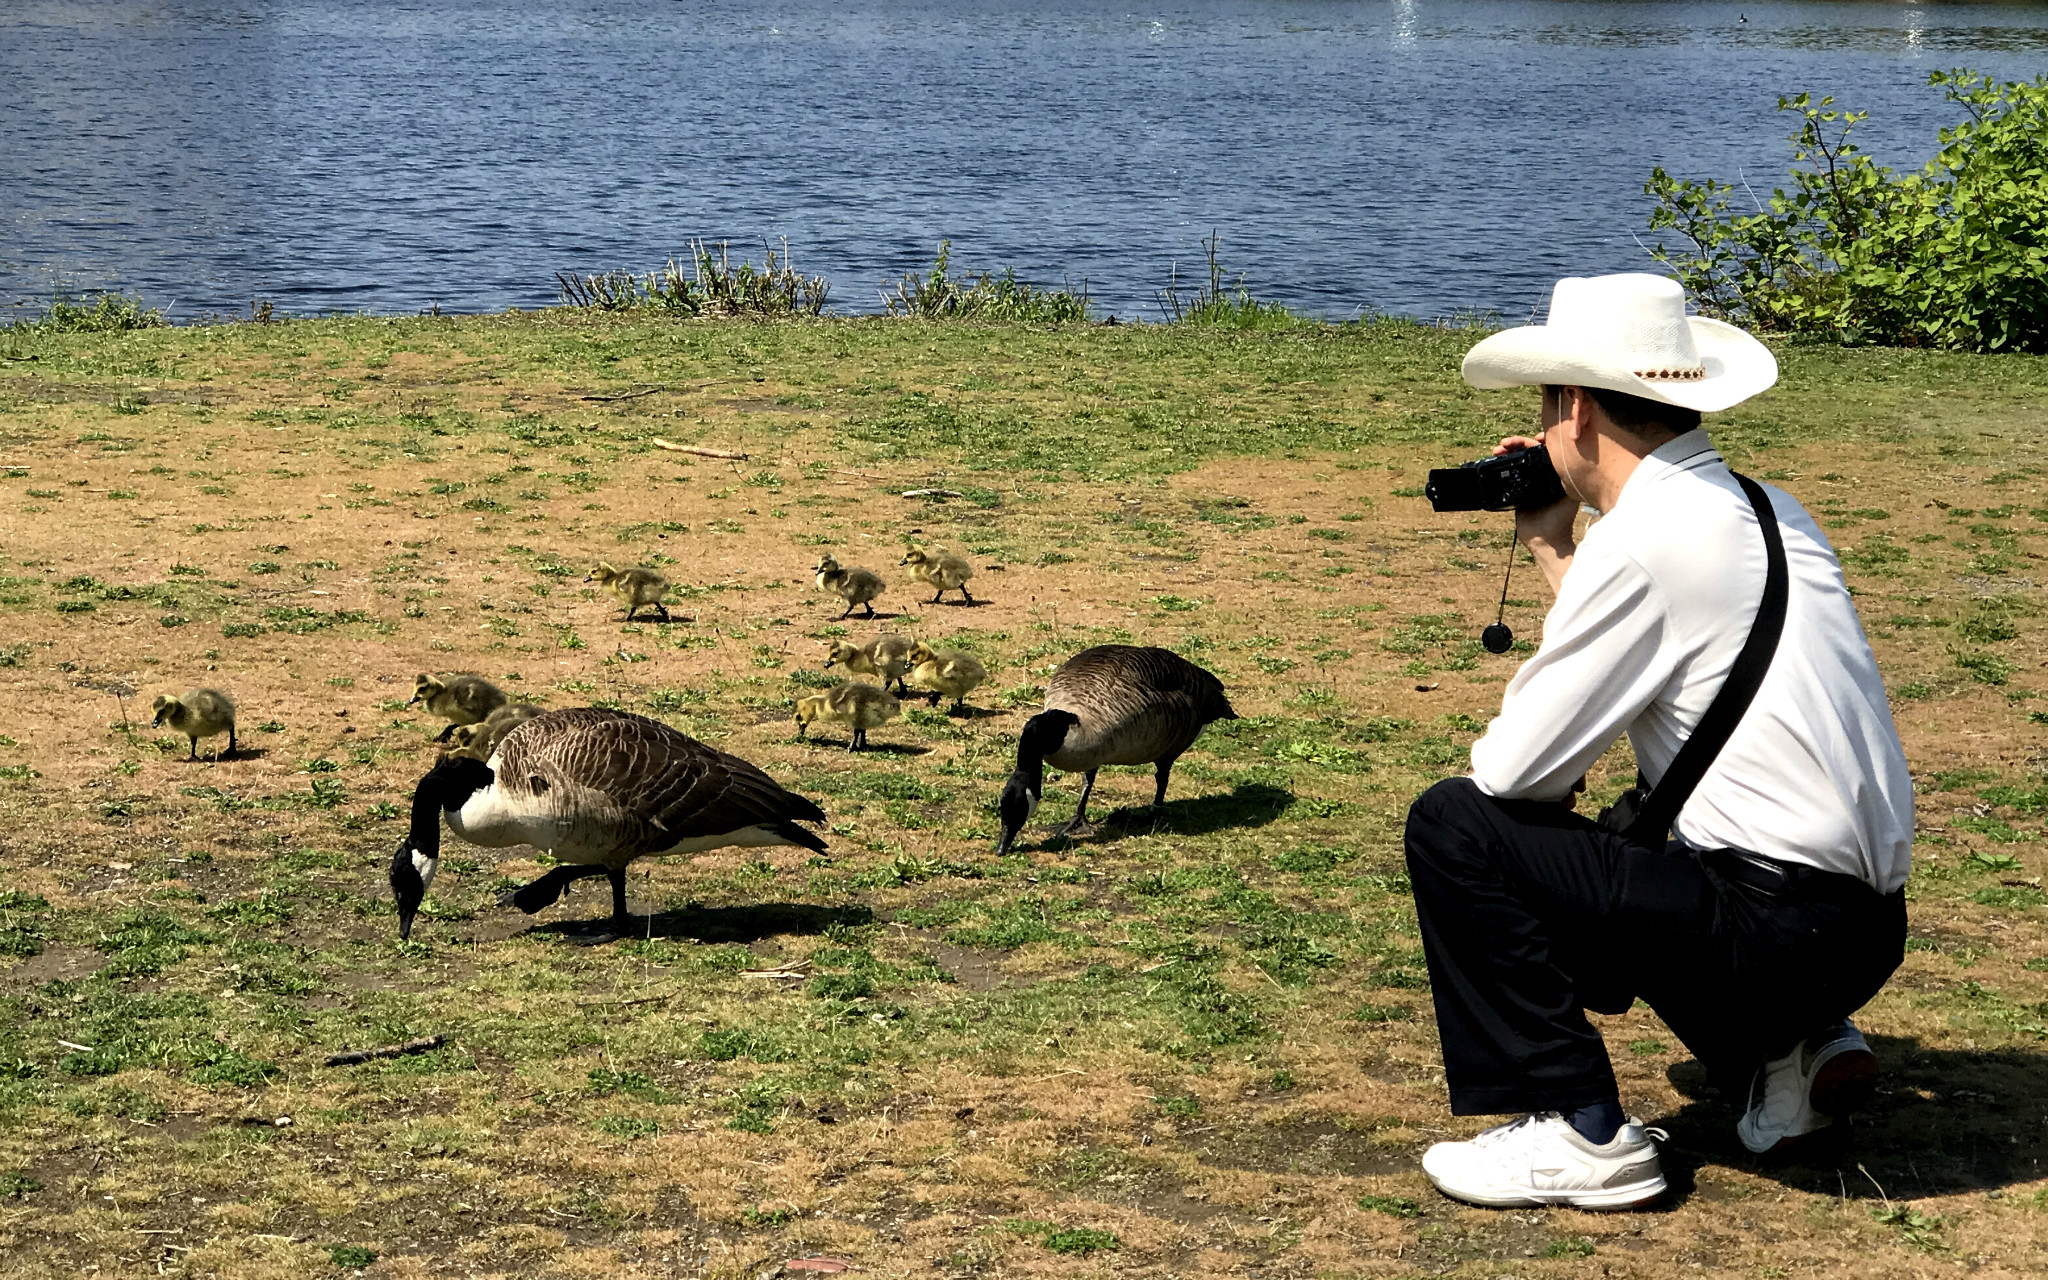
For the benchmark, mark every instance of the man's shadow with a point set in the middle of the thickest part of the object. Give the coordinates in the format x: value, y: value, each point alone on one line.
x: 1944, y: 1121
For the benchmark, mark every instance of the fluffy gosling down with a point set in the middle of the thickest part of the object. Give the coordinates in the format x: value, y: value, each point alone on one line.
x: 860, y: 707
x: 941, y: 570
x: 886, y: 658
x: 478, y: 741
x: 458, y: 699
x: 855, y: 586
x: 635, y: 588
x: 944, y: 672
x: 201, y: 713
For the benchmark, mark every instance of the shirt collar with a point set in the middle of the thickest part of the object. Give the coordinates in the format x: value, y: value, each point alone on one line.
x: 1688, y: 452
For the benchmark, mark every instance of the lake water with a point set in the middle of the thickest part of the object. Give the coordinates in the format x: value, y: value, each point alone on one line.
x: 1405, y: 155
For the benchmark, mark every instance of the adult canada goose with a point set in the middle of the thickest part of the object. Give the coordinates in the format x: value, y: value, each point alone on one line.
x: 947, y: 672
x: 201, y: 713
x: 855, y: 586
x: 886, y: 658
x: 458, y: 699
x: 1113, y: 704
x: 941, y: 570
x: 860, y: 707
x: 596, y: 789
x: 635, y: 588
x: 477, y: 741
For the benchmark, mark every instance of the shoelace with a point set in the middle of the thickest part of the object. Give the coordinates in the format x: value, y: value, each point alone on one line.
x: 1500, y: 1132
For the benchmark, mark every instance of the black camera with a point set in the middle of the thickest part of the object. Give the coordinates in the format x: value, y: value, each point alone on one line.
x: 1520, y: 481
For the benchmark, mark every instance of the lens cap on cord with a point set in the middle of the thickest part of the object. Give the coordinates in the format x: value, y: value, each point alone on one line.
x: 1497, y: 638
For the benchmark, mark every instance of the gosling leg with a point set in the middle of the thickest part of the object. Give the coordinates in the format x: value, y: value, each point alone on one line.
x: 231, y: 739
x: 445, y: 734
x: 858, y: 741
x: 935, y: 599
x: 849, y: 611
x: 1080, y: 819
x: 963, y: 594
x: 664, y: 610
x: 195, y: 749
x: 869, y: 605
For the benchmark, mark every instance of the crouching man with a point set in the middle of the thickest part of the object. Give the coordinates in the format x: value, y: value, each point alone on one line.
x: 1778, y: 909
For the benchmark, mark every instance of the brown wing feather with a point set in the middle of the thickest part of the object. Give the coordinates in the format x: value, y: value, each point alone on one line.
x: 652, y: 774
x: 1134, y: 704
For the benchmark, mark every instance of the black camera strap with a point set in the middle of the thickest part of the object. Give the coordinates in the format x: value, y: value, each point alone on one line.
x: 1654, y: 813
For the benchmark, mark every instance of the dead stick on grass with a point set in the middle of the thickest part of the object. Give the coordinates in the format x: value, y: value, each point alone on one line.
x: 632, y: 395
x: 421, y: 1045
x: 673, y: 447
x: 933, y: 493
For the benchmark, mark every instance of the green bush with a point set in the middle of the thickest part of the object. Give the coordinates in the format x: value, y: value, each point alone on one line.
x: 92, y: 313
x: 714, y: 287
x: 938, y: 295
x: 1954, y: 255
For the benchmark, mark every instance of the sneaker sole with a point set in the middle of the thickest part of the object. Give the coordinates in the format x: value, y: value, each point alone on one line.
x: 1844, y: 1083
x: 1618, y: 1198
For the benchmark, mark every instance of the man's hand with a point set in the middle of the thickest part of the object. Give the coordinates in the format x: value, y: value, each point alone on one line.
x: 1547, y: 531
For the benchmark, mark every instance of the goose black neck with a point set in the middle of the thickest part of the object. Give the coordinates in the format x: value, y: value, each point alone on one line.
x: 1043, y: 734
x: 446, y: 786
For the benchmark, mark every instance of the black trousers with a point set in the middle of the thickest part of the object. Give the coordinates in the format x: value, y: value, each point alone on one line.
x: 1531, y: 914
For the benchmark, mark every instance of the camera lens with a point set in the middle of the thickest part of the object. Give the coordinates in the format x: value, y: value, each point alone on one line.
x: 1497, y: 638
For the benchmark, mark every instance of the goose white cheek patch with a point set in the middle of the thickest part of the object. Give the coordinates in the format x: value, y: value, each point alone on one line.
x: 426, y: 867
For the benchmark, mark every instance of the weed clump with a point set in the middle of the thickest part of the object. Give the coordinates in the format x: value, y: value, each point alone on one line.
x: 713, y: 287
x: 1214, y: 303
x: 91, y: 313
x: 938, y: 295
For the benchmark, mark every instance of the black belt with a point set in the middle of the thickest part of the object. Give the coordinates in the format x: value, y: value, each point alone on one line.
x: 1773, y: 875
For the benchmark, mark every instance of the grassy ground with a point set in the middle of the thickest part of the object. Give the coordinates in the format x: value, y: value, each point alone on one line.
x: 1195, y: 1046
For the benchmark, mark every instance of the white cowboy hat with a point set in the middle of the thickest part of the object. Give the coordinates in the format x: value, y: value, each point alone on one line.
x: 1627, y: 333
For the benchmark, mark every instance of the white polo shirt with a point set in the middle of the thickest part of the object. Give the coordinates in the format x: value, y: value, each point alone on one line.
x: 1656, y: 604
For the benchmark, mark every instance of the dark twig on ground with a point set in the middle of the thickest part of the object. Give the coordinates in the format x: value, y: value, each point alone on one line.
x: 354, y: 1056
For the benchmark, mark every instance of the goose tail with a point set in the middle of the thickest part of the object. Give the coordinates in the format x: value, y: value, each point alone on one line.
x: 797, y: 835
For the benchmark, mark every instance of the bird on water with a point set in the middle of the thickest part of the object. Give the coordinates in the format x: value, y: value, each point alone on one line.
x: 1112, y: 704
x: 596, y: 789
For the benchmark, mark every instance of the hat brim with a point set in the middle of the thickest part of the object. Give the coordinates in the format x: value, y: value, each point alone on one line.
x: 1737, y: 365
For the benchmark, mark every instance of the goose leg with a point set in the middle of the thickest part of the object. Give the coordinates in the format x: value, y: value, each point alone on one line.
x: 869, y: 605
x: 1080, y: 819
x: 621, y: 918
x: 195, y: 749
x: 545, y: 891
x: 445, y: 734
x: 1163, y: 769
x: 859, y: 740
x: 941, y: 592
x: 663, y: 608
x: 231, y: 739
x: 849, y: 611
x: 963, y: 594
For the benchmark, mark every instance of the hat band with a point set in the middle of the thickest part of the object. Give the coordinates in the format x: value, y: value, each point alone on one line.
x: 1671, y: 375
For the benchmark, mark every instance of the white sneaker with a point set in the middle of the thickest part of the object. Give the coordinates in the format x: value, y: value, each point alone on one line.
x: 1824, y: 1077
x: 1540, y: 1159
